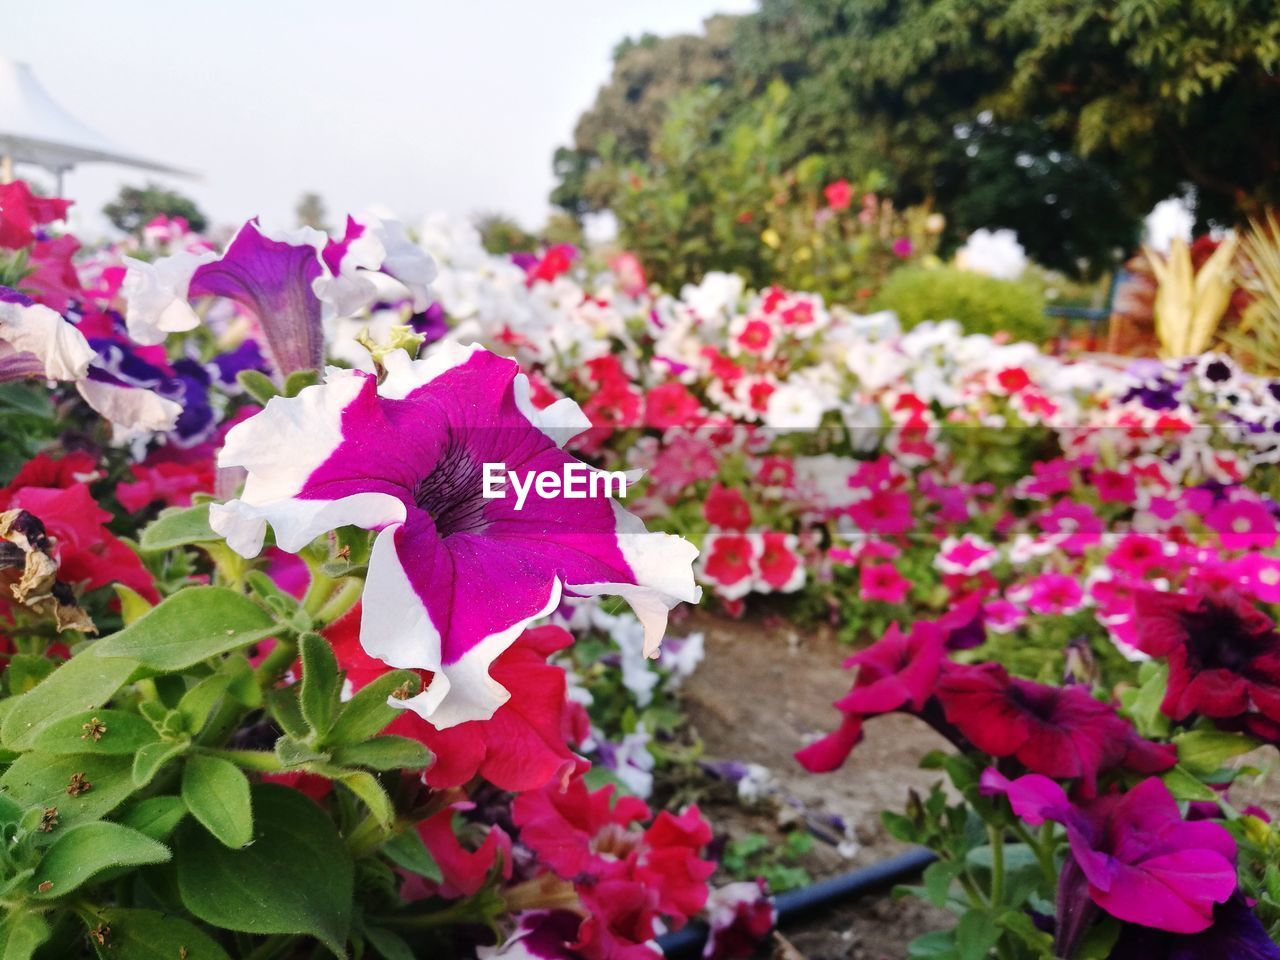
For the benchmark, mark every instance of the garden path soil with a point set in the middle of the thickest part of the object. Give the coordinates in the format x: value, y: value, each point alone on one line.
x: 764, y: 690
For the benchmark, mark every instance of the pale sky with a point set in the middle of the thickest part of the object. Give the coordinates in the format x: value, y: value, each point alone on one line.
x: 421, y: 106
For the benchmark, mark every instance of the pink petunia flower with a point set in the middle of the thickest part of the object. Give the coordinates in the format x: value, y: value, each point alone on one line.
x: 882, y: 582
x: 1131, y: 854
x: 456, y: 572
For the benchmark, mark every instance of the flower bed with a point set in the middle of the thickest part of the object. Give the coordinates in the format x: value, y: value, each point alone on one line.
x: 341, y: 695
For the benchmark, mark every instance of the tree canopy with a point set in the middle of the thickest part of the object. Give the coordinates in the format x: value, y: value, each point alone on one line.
x: 1064, y: 119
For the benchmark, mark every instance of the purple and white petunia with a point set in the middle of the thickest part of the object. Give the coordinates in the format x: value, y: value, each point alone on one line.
x: 454, y: 576
x: 293, y: 283
x: 37, y: 342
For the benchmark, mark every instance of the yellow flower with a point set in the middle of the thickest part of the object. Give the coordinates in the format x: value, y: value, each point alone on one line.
x: 770, y: 238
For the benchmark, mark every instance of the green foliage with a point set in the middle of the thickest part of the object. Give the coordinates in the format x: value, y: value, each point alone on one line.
x: 502, y: 234
x: 981, y: 304
x: 134, y: 207
x: 293, y: 878
x: 1104, y: 109
x: 755, y: 855
x: 715, y: 196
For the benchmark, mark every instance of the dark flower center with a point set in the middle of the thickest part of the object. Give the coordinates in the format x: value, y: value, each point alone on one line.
x: 1217, y: 639
x: 453, y: 492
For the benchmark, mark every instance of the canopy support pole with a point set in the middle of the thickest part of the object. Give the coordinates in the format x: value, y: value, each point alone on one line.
x: 6, y: 167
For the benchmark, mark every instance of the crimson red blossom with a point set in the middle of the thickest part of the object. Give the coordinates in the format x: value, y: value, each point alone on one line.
x: 1223, y: 655
x: 1057, y: 731
x: 727, y: 508
x: 21, y: 212
x: 625, y: 875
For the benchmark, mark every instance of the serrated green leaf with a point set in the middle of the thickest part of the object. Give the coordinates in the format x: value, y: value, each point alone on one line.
x: 189, y: 627
x: 151, y: 935
x: 295, y: 877
x: 155, y: 817
x: 81, y: 853
x: 217, y: 794
x: 367, y: 714
x: 104, y: 732
x: 385, y: 753
x: 321, y: 683
x: 84, y: 682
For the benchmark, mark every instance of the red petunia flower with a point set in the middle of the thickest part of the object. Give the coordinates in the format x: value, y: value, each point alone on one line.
x: 671, y: 405
x: 521, y: 747
x: 726, y: 508
x: 1223, y: 654
x: 21, y: 212
x: 1056, y: 731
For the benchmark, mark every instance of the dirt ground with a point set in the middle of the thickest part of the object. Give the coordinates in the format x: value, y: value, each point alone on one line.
x: 762, y: 692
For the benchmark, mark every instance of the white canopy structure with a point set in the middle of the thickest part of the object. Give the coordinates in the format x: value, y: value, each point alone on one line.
x: 34, y: 129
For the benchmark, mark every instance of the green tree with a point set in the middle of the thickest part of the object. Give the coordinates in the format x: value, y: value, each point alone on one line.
x: 502, y: 234
x: 310, y: 211
x: 1106, y: 108
x: 134, y: 207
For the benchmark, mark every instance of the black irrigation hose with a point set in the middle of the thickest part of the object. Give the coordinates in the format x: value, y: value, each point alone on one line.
x: 688, y: 941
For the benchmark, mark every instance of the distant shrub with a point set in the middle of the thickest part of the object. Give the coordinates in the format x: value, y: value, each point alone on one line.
x: 980, y: 303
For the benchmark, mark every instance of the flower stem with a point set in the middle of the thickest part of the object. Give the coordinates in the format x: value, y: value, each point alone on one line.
x: 997, y: 865
x: 342, y: 601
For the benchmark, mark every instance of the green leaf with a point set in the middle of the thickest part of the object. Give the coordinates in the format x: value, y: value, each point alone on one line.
x: 1205, y: 751
x: 41, y: 781
x: 935, y: 945
x: 369, y: 790
x: 293, y: 752
x: 1143, y: 704
x: 84, y: 682
x: 83, y: 852
x: 132, y: 604
x: 385, y: 753
x: 234, y: 676
x: 25, y: 670
x: 407, y: 851
x: 286, y: 711
x: 21, y: 934
x: 938, y: 878
x: 156, y: 817
x: 189, y: 627
x: 1184, y: 785
x: 149, y: 760
x: 103, y: 732
x: 151, y: 935
x: 176, y: 527
x: 388, y: 945
x: 367, y: 714
x: 296, y: 876
x: 321, y: 683
x: 300, y: 380
x: 217, y: 794
x: 258, y: 385
x: 976, y: 934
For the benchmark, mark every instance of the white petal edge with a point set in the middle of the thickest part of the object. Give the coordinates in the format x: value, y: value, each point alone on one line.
x: 61, y: 349
x: 284, y: 444
x: 663, y: 567
x: 133, y: 408
x: 297, y: 522
x: 396, y: 629
x: 405, y: 375
x: 561, y: 421
x: 156, y: 296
